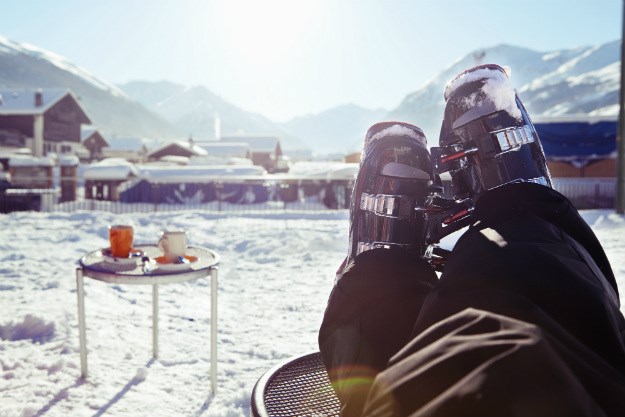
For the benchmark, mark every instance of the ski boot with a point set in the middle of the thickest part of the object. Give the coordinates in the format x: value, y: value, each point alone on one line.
x: 487, y: 139
x: 396, y: 177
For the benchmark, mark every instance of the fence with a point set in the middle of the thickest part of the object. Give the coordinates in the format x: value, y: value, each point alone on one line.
x: 242, y: 195
x: 588, y: 193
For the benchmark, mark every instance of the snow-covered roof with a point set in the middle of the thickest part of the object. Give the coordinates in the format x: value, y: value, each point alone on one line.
x: 163, y: 171
x: 324, y: 170
x: 572, y: 118
x: 22, y: 101
x: 111, y: 169
x: 68, y: 160
x: 86, y: 131
x: 225, y: 149
x: 30, y: 161
x: 184, y: 144
x: 126, y: 144
x: 257, y: 143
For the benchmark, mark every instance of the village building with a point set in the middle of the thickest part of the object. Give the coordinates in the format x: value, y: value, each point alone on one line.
x: 103, y: 179
x: 220, y: 153
x: 579, y: 145
x: 353, y: 158
x: 264, y: 151
x: 133, y: 149
x: 93, y: 142
x: 178, y: 148
x: 46, y: 121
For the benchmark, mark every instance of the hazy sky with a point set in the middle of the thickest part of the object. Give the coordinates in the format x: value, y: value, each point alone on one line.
x: 284, y: 58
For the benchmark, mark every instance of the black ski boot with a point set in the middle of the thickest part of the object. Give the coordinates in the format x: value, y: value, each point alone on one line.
x: 487, y: 138
x: 389, y: 198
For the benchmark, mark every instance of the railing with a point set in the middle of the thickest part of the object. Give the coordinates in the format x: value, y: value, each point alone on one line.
x: 588, y: 193
x: 232, y: 194
x: 243, y: 195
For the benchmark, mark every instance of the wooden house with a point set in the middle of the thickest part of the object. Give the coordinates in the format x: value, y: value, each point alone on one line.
x: 94, y: 142
x: 177, y: 148
x: 353, y: 158
x: 133, y: 149
x: 44, y: 120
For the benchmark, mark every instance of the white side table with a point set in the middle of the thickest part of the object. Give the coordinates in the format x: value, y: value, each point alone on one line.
x: 95, y: 265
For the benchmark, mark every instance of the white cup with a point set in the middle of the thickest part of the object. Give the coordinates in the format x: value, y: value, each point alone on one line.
x: 173, y: 244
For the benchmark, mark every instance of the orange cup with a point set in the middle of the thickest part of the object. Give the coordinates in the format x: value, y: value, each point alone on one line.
x: 120, y: 237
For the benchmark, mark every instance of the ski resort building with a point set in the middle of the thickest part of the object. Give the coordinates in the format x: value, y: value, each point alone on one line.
x: 579, y: 145
x: 45, y: 121
x: 263, y: 150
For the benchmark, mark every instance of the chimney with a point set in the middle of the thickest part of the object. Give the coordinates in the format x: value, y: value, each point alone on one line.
x: 38, y: 98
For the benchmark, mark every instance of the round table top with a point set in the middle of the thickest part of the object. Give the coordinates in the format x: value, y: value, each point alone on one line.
x: 98, y: 266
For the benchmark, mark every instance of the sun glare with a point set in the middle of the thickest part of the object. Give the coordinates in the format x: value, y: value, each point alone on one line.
x: 262, y: 31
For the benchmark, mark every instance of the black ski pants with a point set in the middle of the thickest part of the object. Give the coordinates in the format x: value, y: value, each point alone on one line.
x: 523, y: 321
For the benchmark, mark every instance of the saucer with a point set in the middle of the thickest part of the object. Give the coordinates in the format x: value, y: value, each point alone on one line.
x: 134, y: 256
x: 165, y: 264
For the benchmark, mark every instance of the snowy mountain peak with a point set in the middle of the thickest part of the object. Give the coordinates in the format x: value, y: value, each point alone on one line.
x: 10, y: 47
x: 569, y: 81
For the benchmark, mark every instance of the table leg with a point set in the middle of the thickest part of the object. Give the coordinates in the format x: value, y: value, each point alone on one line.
x: 82, y: 329
x: 155, y: 321
x: 213, y: 330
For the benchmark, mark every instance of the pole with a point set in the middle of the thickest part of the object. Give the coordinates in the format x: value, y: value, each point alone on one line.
x: 213, y: 330
x: 620, y: 166
x: 82, y: 328
x: 155, y: 321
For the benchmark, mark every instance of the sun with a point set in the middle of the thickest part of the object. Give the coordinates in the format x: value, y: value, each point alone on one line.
x: 265, y: 31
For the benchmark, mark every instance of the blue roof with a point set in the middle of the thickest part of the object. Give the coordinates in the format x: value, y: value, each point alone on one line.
x: 578, y: 141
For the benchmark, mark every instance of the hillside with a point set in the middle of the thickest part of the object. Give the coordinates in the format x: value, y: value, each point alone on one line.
x: 195, y: 111
x: 340, y: 129
x: 112, y: 111
x: 580, y: 80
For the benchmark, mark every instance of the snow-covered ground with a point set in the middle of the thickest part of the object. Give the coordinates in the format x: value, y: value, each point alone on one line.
x: 275, y: 276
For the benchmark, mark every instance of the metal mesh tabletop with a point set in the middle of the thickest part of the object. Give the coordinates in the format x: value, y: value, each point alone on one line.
x: 298, y: 387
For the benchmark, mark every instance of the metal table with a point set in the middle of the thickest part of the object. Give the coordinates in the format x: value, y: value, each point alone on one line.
x: 97, y: 266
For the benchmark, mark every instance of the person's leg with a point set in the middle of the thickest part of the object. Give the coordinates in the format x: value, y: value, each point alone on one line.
x: 525, y: 319
x: 381, y: 286
x: 522, y: 321
x: 369, y: 316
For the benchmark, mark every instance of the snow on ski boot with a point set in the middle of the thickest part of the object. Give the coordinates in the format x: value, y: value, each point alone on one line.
x: 395, y: 178
x: 487, y: 139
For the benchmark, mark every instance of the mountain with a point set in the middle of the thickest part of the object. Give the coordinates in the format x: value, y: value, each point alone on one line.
x: 580, y: 80
x: 337, y: 130
x: 111, y: 110
x: 340, y: 129
x: 195, y: 111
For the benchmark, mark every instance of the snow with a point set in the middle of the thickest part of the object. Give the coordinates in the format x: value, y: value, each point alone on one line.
x: 169, y: 171
x: 11, y: 47
x: 323, y: 170
x: 30, y: 161
x: 110, y: 168
x: 398, y: 130
x: 497, y: 88
x: 68, y: 160
x: 275, y: 276
x: 467, y: 77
